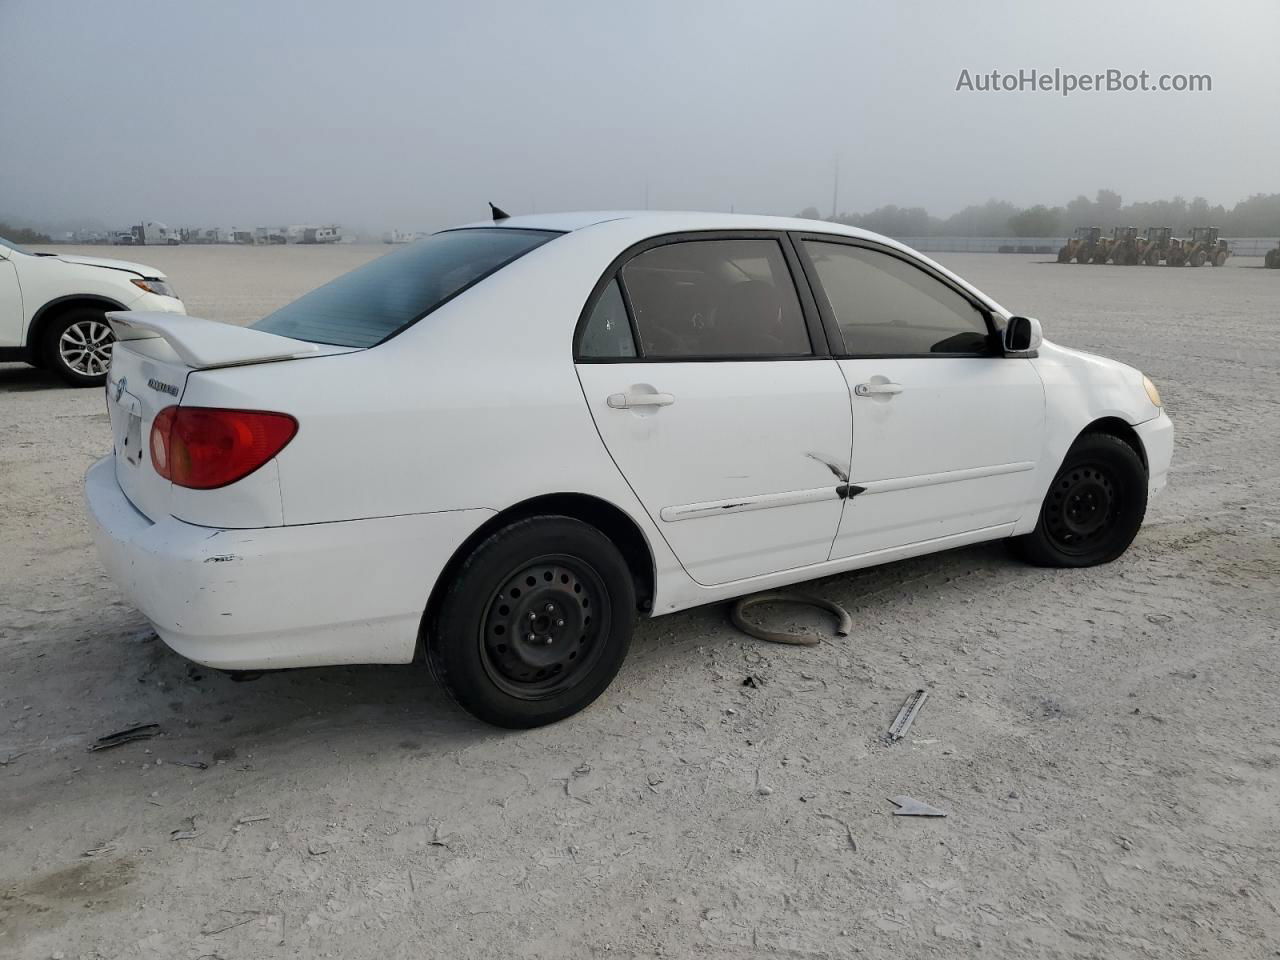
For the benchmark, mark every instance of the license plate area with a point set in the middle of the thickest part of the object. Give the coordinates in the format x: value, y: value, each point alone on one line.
x: 126, y: 416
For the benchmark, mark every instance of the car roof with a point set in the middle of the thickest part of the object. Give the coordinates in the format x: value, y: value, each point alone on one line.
x: 625, y: 227
x: 672, y: 221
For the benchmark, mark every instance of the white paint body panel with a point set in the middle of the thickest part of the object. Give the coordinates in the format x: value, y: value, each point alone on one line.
x: 406, y: 448
x: 737, y: 431
x: 289, y: 597
x: 12, y: 322
x: 953, y: 452
x: 42, y: 280
x: 203, y: 344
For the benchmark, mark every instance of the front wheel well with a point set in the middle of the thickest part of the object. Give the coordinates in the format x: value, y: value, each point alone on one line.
x: 604, y: 516
x: 56, y: 308
x: 1121, y: 430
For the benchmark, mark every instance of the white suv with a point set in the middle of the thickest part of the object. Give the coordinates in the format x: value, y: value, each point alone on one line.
x: 52, y: 306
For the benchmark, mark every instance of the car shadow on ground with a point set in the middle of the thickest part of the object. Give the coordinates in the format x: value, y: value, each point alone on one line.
x: 20, y: 378
x: 369, y: 707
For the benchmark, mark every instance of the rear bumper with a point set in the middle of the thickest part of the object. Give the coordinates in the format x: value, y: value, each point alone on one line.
x: 1157, y: 440
x: 348, y: 592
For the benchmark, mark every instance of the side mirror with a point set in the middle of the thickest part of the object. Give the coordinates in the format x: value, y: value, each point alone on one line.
x: 1022, y: 336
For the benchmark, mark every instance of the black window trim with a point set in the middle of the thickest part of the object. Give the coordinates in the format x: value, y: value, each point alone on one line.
x: 813, y: 323
x: 833, y: 331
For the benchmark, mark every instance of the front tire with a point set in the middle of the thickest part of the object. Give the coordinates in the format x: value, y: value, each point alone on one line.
x: 77, y: 347
x: 535, y: 624
x: 1094, y: 507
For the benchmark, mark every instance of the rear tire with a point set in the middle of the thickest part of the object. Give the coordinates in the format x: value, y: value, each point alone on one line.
x: 535, y: 624
x: 1093, y: 509
x: 77, y: 346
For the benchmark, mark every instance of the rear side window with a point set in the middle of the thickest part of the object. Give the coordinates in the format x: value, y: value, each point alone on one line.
x: 715, y: 299
x: 887, y: 307
x: 373, y: 302
x: 607, y: 335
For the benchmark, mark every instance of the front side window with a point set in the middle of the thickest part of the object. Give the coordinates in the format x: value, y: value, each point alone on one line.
x: 373, y: 302
x: 887, y: 307
x: 715, y: 299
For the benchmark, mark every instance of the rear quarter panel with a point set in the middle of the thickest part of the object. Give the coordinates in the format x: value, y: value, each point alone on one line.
x: 478, y: 406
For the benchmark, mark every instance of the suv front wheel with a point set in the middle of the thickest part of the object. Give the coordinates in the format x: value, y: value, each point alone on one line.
x: 77, y: 346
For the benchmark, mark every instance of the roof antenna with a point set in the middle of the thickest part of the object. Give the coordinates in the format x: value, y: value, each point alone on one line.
x: 498, y: 212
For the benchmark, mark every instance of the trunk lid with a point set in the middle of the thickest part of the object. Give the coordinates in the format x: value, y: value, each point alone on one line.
x: 150, y: 363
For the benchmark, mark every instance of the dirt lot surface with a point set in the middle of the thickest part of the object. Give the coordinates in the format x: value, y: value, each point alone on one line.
x: 1106, y: 742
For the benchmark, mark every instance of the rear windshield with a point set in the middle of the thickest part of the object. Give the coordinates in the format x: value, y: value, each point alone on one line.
x: 373, y: 302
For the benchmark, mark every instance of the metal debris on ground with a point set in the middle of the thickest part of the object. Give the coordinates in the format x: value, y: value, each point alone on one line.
x: 254, y: 818
x: 907, y: 715
x: 143, y: 731
x: 194, y: 764
x: 911, y: 807
x: 737, y: 611
x: 98, y: 851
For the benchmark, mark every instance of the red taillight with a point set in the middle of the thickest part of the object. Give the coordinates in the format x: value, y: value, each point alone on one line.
x: 205, y: 447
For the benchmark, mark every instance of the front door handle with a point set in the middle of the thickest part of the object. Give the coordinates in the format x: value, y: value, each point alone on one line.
x: 877, y: 389
x: 625, y: 401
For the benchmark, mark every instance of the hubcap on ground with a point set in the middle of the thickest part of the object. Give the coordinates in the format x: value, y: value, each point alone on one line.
x: 85, y: 347
x: 1082, y: 508
x: 543, y: 628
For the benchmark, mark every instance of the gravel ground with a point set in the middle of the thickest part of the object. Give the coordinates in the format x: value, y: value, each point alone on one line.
x: 1106, y: 741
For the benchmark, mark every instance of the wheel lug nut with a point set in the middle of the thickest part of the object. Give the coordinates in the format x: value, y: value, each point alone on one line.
x: 559, y: 623
x: 549, y: 608
x: 532, y: 615
x: 531, y: 637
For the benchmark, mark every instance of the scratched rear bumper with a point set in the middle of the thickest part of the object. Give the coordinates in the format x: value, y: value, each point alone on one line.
x: 348, y: 592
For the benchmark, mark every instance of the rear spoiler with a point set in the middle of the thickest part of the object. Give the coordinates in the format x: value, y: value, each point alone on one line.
x: 203, y: 344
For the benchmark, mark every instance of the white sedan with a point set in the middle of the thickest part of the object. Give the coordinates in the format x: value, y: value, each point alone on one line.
x: 499, y: 446
x: 52, y: 308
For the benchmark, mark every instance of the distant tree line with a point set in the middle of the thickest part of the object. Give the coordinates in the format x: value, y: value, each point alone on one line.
x: 21, y: 234
x: 1258, y: 216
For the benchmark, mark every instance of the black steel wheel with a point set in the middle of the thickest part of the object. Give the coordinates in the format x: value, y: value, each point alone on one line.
x: 543, y: 627
x: 1094, y: 507
x: 535, y: 624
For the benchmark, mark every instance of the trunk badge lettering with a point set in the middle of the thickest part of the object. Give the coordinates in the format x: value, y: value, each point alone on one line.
x: 161, y: 386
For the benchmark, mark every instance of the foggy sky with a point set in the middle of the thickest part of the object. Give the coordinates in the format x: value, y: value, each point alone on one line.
x: 382, y: 113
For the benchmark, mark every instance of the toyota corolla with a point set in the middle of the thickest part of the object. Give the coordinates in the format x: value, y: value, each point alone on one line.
x: 496, y: 448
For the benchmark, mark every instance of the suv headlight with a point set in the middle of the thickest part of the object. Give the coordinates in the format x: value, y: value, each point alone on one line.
x: 1152, y: 392
x: 158, y: 287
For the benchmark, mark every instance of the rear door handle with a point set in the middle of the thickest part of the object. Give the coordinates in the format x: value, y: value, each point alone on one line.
x: 625, y: 401
x: 877, y: 389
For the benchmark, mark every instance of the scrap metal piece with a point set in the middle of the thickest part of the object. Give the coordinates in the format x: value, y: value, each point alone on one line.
x: 144, y: 731
x: 911, y: 807
x: 907, y: 715
x: 843, y: 628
